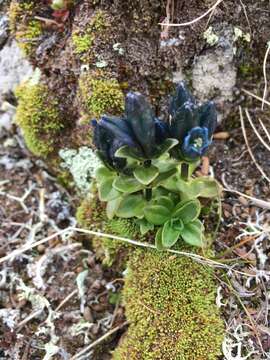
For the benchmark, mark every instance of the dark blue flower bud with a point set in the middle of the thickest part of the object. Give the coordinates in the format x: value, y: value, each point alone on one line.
x: 141, y: 121
x: 182, y: 95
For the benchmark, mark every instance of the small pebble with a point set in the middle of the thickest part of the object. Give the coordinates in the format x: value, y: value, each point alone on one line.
x: 41, y: 248
x: 243, y: 201
x: 87, y: 314
x: 222, y: 135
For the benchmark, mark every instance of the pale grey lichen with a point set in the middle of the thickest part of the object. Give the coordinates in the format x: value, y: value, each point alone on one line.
x: 82, y: 164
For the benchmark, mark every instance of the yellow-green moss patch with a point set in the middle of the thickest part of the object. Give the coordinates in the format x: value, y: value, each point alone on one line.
x: 26, y: 30
x: 83, y: 39
x: 170, y: 304
x: 101, y: 96
x: 39, y: 118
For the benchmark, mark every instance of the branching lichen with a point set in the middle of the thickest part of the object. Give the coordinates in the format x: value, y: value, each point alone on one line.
x: 82, y: 164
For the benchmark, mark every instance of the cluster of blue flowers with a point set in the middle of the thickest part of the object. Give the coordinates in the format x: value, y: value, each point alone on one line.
x: 189, y: 123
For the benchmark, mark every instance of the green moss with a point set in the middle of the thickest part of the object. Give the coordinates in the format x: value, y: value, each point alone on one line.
x: 100, y: 96
x: 39, y: 118
x: 91, y: 215
x: 81, y: 43
x: 83, y: 39
x: 170, y: 304
x: 26, y: 30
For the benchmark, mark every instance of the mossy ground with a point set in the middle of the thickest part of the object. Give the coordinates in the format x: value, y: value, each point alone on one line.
x: 101, y: 95
x: 39, y: 118
x: 170, y: 304
x: 91, y: 215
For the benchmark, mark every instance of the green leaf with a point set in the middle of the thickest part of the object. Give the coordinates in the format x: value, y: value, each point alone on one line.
x: 106, y: 191
x: 165, y: 176
x: 156, y: 214
x: 158, y: 239
x: 145, y: 175
x: 174, y: 183
x: 112, y: 207
x: 103, y: 173
x: 187, y: 211
x: 164, y: 201
x: 205, y: 187
x: 166, y: 146
x: 127, y: 152
x: 126, y: 184
x: 165, y: 164
x: 145, y: 226
x: 131, y: 206
x: 171, y: 232
x: 193, y: 233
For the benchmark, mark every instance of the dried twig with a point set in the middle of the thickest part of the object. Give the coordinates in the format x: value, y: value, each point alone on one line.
x: 248, y: 147
x: 98, y: 341
x: 212, y: 8
x: 264, y: 73
x: 256, y: 131
x: 256, y: 96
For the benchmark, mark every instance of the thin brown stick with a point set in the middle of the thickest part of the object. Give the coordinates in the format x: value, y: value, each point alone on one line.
x: 98, y: 341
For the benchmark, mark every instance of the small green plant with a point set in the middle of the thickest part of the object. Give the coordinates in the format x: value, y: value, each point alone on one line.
x: 148, y: 166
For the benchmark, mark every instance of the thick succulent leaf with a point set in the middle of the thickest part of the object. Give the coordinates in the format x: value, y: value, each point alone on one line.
x: 208, y: 117
x: 102, y: 173
x: 146, y: 175
x: 145, y: 226
x: 192, y: 233
x: 141, y: 120
x: 170, y: 233
x: 131, y: 206
x: 127, y: 152
x: 165, y: 163
x: 175, y: 183
x: 106, y: 191
x: 187, y: 211
x: 167, y: 145
x: 164, y: 177
x: 206, y: 187
x: 181, y: 96
x: 127, y: 184
x: 158, y: 240
x: 185, y: 119
x: 112, y: 207
x: 156, y: 214
x: 165, y: 201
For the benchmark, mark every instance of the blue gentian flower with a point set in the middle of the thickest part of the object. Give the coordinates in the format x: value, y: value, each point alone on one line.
x: 192, y: 125
x: 138, y: 129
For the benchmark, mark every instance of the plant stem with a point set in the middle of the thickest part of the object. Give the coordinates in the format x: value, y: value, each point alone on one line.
x: 184, y: 171
x: 148, y: 194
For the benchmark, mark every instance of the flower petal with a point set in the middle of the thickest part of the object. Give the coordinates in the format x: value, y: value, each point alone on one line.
x: 184, y: 119
x: 181, y: 96
x: 208, y: 117
x: 141, y: 121
x: 118, y: 128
